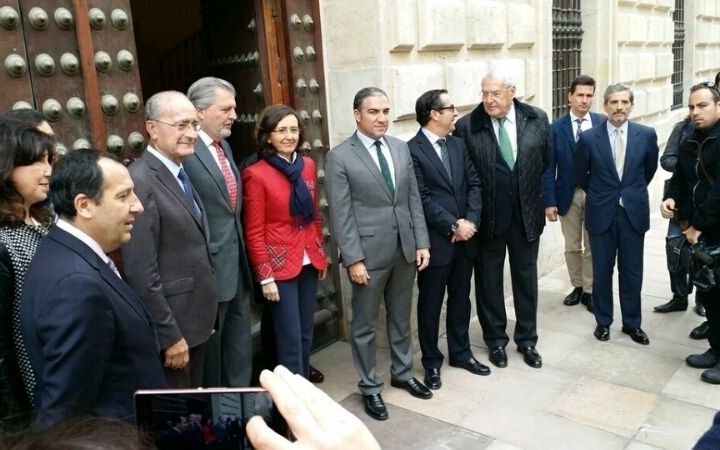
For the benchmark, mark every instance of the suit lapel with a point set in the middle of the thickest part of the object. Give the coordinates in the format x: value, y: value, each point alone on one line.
x: 168, y: 180
x: 363, y: 155
x: 206, y: 159
x: 108, y: 275
x: 429, y: 151
x: 457, y: 164
x: 631, y: 155
x: 605, y: 149
x: 567, y: 130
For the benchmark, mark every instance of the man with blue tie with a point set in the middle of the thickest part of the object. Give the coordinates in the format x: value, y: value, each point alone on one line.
x: 614, y: 163
x: 562, y: 194
x: 450, y: 192
x: 168, y: 263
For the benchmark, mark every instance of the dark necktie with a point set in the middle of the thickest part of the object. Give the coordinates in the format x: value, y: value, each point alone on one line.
x: 505, y: 145
x: 188, y: 189
x: 445, y: 157
x: 579, y: 128
x: 385, y: 169
x: 230, y: 181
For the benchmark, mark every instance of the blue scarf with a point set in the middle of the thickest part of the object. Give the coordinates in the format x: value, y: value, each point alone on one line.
x: 301, y: 202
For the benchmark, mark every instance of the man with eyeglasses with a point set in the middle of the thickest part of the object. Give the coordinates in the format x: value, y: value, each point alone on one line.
x: 215, y: 177
x: 509, y: 143
x: 450, y: 192
x: 168, y: 262
x: 564, y: 197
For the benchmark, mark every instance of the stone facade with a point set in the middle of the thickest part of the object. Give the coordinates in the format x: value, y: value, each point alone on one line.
x: 409, y: 46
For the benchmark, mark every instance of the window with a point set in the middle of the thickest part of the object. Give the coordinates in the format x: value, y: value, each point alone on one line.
x: 567, y: 43
x: 678, y: 51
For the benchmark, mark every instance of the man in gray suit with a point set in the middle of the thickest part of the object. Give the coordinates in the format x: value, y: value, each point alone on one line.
x: 228, y: 358
x: 379, y: 227
x: 168, y: 263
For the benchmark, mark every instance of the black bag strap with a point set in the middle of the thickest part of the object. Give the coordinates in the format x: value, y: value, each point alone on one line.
x: 704, y: 170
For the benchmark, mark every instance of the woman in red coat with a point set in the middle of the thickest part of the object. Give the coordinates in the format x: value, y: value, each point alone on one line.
x: 283, y: 233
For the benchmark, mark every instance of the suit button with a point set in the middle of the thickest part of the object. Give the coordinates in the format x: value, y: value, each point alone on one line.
x: 394, y: 227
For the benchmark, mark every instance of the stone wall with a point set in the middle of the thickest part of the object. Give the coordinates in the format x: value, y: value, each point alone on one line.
x: 409, y: 46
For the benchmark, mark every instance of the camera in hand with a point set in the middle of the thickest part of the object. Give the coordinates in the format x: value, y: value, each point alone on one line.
x: 200, y: 419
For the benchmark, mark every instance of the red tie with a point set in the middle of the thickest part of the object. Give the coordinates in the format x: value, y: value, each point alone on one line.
x: 229, y: 178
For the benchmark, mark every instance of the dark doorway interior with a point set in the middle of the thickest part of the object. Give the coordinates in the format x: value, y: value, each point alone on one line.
x: 179, y: 41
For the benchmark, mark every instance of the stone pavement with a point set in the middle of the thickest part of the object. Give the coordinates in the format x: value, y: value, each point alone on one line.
x: 588, y: 394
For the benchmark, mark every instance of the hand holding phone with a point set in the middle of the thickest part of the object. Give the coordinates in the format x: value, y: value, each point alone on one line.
x: 316, y: 420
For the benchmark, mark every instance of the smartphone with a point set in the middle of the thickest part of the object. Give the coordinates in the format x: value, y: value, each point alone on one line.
x: 212, y: 418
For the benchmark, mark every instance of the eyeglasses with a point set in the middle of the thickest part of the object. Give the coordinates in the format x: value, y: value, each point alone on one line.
x: 182, y: 126
x: 446, y: 108
x: 284, y: 131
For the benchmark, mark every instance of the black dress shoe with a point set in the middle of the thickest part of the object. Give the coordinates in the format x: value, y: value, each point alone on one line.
x: 498, y: 357
x: 432, y: 378
x: 472, y: 365
x: 637, y: 335
x: 675, y: 304
x: 705, y: 360
x: 699, y: 309
x: 602, y: 333
x: 573, y: 298
x: 587, y: 300
x: 414, y: 387
x: 531, y: 356
x: 711, y: 376
x: 701, y: 331
x: 375, y: 406
x: 316, y: 376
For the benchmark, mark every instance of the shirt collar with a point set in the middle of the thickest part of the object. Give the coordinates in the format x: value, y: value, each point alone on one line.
x: 623, y: 128
x: 207, y: 140
x: 367, y: 140
x: 510, y: 116
x: 172, y: 167
x: 432, y: 137
x: 573, y: 117
x: 82, y: 237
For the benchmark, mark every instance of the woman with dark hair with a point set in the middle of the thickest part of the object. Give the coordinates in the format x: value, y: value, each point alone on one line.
x: 283, y: 234
x: 25, y: 158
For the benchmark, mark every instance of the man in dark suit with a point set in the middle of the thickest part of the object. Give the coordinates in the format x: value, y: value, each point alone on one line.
x: 379, y: 228
x: 614, y: 163
x: 90, y: 340
x: 509, y: 143
x: 450, y: 192
x: 228, y: 360
x: 168, y: 263
x: 562, y: 194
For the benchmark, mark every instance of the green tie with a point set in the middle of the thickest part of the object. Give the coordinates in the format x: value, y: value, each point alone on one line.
x: 505, y: 145
x: 385, y: 169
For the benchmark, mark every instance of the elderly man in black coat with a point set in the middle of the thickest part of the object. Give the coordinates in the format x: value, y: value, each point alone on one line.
x: 509, y: 143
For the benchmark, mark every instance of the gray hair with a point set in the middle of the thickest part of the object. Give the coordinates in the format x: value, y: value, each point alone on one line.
x: 155, y: 105
x: 499, y: 74
x: 614, y: 88
x: 364, y: 93
x: 202, y: 92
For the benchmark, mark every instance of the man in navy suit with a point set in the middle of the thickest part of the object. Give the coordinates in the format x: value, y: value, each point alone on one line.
x: 562, y: 194
x: 450, y: 192
x: 614, y: 163
x: 91, y: 342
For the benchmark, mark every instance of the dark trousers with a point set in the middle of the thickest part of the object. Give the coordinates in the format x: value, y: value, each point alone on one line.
x: 680, y: 280
x: 228, y: 358
x: 710, y: 299
x: 619, y: 241
x: 489, y: 292
x: 432, y: 283
x: 292, y: 319
x: 190, y: 376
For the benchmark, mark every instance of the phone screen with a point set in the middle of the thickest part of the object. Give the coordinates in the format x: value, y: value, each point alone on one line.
x: 204, y: 419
